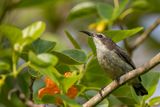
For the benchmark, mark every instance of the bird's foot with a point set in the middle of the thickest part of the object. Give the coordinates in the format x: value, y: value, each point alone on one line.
x: 100, y: 92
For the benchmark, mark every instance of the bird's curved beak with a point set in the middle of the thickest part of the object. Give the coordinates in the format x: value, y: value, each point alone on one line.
x: 88, y: 33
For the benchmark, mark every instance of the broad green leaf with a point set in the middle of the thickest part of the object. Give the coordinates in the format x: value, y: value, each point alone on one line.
x: 94, y: 72
x: 30, y: 34
x: 50, y: 72
x: 67, y: 82
x: 43, y: 60
x: 92, y: 45
x: 150, y: 82
x: 72, y: 40
x: 33, y: 31
x: 124, y: 95
x: 118, y: 35
x: 104, y: 103
x: 82, y: 10
x: 50, y: 99
x: 42, y: 46
x: 13, y: 33
x: 154, y: 101
x: 105, y: 10
x: 113, y: 101
x: 23, y: 81
x: 70, y: 102
x: 140, y: 5
x: 4, y: 66
x: 72, y: 56
x: 37, y: 85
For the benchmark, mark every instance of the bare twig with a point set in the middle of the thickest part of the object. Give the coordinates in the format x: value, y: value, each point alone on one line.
x: 27, y: 102
x: 123, y: 79
x: 145, y: 34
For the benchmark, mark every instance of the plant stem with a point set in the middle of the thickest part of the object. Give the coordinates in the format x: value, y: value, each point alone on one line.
x: 23, y: 66
x: 116, y: 3
x: 14, y: 63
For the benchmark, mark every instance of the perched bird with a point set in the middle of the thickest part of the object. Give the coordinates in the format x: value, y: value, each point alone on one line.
x: 114, y: 60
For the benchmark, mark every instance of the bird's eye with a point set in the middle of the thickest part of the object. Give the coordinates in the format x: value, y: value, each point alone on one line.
x: 100, y: 36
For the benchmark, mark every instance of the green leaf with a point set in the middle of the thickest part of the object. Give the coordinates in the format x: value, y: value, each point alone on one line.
x: 33, y: 31
x: 92, y: 45
x: 4, y: 66
x: 49, y: 99
x: 94, y: 72
x: 67, y: 82
x: 50, y: 72
x: 154, y: 101
x: 150, y: 82
x: 118, y: 10
x: 30, y: 34
x: 105, y: 10
x: 124, y: 94
x: 118, y: 35
x: 42, y: 46
x: 43, y: 60
x: 70, y: 102
x: 13, y: 33
x: 23, y: 82
x: 72, y: 56
x: 72, y: 40
x: 37, y: 85
x: 82, y: 10
x: 113, y: 101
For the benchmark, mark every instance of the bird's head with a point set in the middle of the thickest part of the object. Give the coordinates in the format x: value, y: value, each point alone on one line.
x: 99, y: 39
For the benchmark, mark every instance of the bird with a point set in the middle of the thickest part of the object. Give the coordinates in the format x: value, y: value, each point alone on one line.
x: 114, y: 60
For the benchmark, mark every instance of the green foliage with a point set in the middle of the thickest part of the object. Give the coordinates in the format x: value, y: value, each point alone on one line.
x: 42, y: 46
x: 43, y: 60
x: 11, y: 32
x: 29, y: 55
x: 105, y: 10
x: 72, y: 56
x: 118, y: 35
x: 92, y: 71
x: 81, y: 10
x: 73, y: 41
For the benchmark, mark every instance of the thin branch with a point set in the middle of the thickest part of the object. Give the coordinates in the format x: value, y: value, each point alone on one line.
x: 123, y: 79
x: 127, y: 46
x: 116, y: 3
x: 145, y: 34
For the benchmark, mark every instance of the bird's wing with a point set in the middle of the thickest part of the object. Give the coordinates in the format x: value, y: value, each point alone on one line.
x: 124, y: 56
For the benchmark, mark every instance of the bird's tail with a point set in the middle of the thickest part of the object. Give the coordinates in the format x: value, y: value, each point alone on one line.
x: 139, y: 89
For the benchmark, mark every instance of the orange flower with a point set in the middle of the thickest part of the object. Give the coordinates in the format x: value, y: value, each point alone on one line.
x: 51, y: 88
x: 72, y: 92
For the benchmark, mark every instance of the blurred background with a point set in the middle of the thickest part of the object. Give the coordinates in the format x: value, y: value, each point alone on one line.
x: 57, y: 14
